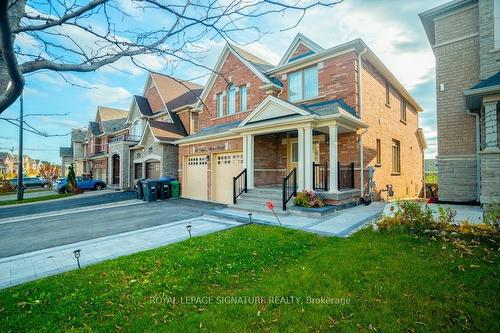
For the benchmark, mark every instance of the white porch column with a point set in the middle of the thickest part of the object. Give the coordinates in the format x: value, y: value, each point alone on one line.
x: 333, y: 175
x: 490, y: 118
x: 308, y: 158
x: 248, y: 158
x: 300, y: 164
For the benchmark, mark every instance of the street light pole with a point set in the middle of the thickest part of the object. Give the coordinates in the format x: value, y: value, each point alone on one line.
x: 20, y: 189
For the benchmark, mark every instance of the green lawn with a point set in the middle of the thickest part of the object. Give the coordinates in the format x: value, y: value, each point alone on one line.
x: 391, y: 282
x: 25, y: 191
x: 36, y: 199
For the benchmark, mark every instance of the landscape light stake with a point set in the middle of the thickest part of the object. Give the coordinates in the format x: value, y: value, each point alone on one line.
x: 188, y: 227
x: 76, y: 253
x: 270, y: 205
x: 250, y: 217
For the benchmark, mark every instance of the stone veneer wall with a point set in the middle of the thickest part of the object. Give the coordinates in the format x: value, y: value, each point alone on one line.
x: 490, y: 177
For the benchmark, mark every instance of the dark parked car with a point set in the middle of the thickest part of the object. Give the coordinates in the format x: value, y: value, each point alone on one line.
x: 31, y: 182
x: 82, y: 183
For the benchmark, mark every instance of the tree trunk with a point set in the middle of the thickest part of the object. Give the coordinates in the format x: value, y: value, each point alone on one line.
x: 16, y: 12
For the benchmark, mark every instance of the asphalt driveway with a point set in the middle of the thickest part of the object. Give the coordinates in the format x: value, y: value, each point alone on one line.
x: 49, y: 231
x: 85, y: 200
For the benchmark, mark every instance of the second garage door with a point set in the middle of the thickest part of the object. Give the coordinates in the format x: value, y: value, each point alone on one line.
x: 152, y: 170
x: 226, y: 167
x: 194, y: 180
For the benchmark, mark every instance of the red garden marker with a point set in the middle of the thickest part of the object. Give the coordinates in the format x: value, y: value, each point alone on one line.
x: 270, y: 205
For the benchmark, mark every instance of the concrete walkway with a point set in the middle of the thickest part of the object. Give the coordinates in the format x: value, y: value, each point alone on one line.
x: 30, y: 266
x: 341, y: 224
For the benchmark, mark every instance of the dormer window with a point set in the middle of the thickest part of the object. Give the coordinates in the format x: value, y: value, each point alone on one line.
x: 231, y: 99
x: 303, y: 84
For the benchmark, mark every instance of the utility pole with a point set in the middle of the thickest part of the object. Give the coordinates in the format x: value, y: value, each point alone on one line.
x: 20, y: 189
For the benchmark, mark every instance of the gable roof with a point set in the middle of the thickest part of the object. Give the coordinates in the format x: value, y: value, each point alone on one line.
x: 78, y: 134
x: 165, y: 130
x: 4, y: 155
x: 105, y: 113
x: 143, y: 105
x: 113, y: 125
x: 428, y: 16
x: 257, y: 65
x: 299, y: 39
x: 174, y: 90
x: 94, y: 128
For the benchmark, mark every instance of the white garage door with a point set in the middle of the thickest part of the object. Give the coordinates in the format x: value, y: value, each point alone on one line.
x: 194, y: 181
x: 226, y: 167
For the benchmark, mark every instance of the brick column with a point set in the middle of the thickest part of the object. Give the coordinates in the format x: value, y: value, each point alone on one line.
x: 333, y: 183
x: 490, y: 119
x: 300, y: 164
x: 308, y: 158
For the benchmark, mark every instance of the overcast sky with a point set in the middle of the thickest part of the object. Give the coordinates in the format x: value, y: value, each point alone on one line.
x: 390, y: 27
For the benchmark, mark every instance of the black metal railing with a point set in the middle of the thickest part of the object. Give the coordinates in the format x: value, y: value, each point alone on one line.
x: 346, y: 176
x: 320, y: 176
x: 289, y: 187
x: 239, y: 185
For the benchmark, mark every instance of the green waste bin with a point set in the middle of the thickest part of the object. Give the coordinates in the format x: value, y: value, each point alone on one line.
x: 174, y: 187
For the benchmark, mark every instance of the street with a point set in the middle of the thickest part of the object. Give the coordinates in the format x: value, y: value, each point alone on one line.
x: 57, y: 227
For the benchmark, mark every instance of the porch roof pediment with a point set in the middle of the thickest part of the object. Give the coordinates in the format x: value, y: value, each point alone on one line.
x: 272, y: 108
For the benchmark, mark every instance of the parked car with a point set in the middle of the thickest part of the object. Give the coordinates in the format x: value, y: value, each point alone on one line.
x: 82, y: 183
x: 31, y: 182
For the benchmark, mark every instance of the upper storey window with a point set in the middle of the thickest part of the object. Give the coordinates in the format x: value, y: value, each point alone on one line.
x: 243, y: 98
x: 303, y: 84
x: 137, y: 128
x: 220, y: 111
x: 231, y: 99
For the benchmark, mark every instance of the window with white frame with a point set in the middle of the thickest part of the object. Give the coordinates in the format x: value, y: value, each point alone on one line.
x: 231, y: 99
x: 220, y: 111
x: 303, y: 84
x: 496, y: 23
x: 137, y: 129
x: 396, y: 157
x: 402, y: 115
x: 243, y: 98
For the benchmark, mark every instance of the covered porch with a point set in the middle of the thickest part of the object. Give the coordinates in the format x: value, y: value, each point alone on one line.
x: 291, y: 148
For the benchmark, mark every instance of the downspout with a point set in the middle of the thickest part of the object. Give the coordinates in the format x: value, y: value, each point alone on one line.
x: 360, y: 110
x: 478, y: 161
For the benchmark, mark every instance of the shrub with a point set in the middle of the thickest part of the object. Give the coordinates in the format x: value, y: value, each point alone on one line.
x: 308, y: 199
x: 492, y: 216
x: 71, y: 180
x: 412, y: 215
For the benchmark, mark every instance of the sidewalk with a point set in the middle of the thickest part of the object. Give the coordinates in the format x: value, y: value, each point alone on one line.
x: 34, y: 265
x: 341, y: 224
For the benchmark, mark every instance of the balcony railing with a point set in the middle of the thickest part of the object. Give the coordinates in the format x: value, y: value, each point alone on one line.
x: 125, y: 137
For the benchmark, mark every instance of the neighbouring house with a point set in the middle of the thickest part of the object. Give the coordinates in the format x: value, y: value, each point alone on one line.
x: 7, y: 161
x: 308, y: 121
x: 465, y: 38
x: 75, y: 154
x: 146, y: 148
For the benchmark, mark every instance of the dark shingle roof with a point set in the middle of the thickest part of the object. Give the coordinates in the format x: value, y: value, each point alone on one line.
x: 187, y: 98
x: 175, y: 127
x: 493, y: 80
x: 221, y: 128
x: 143, y: 105
x: 258, y: 63
x: 94, y: 128
x: 114, y: 125
x: 65, y: 151
x: 4, y: 154
x: 78, y: 135
x: 329, y: 107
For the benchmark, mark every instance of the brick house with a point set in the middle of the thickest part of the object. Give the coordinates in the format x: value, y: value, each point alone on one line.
x: 310, y: 120
x: 465, y: 38
x: 145, y: 148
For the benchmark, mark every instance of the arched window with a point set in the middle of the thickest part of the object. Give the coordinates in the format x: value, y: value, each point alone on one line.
x: 231, y: 99
x: 137, y: 129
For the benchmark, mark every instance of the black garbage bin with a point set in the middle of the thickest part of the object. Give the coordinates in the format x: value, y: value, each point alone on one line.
x: 164, y: 189
x: 150, y: 190
x: 139, y: 190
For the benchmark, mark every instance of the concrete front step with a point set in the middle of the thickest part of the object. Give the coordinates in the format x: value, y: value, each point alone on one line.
x: 259, y: 199
x: 258, y: 207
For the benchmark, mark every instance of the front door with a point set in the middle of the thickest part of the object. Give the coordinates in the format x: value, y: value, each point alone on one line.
x: 293, y: 153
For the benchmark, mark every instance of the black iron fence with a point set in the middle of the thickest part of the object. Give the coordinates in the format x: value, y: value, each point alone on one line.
x: 346, y: 176
x: 289, y: 187
x: 239, y: 185
x: 320, y: 176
